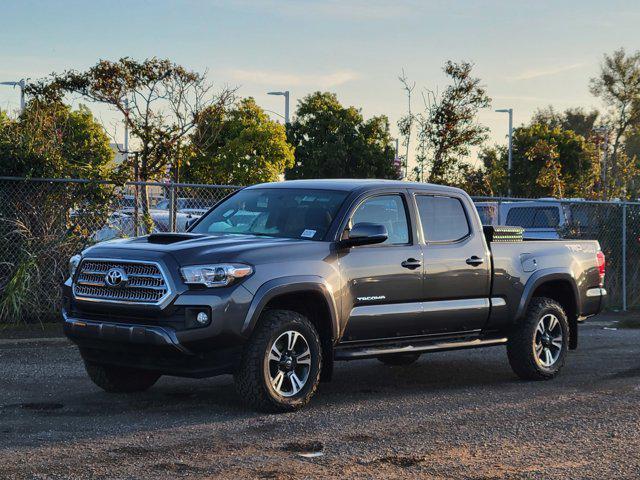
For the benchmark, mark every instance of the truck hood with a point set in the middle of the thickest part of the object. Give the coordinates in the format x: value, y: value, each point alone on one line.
x: 193, y: 248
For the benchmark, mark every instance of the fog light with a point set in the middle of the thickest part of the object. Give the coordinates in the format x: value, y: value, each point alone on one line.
x: 202, y: 318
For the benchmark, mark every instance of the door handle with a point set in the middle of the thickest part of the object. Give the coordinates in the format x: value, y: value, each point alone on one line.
x: 475, y: 261
x: 411, y: 263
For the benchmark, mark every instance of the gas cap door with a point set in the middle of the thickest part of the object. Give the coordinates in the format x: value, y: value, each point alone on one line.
x: 529, y: 262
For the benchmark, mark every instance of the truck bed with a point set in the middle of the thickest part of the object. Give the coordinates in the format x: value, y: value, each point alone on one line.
x: 516, y: 264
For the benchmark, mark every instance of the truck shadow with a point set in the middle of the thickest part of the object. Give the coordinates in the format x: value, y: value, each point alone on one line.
x: 86, y: 412
x: 217, y: 397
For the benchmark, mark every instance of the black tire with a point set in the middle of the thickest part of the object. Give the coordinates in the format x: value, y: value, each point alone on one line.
x: 253, y: 377
x: 398, y: 359
x: 525, y: 339
x: 121, y: 379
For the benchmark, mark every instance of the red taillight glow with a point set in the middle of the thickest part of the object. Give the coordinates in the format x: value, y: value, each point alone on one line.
x: 601, y: 263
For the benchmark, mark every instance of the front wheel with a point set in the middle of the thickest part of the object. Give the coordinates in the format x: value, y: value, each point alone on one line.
x: 537, y: 347
x: 280, y: 367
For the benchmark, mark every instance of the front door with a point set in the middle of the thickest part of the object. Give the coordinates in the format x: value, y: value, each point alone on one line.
x: 384, y: 281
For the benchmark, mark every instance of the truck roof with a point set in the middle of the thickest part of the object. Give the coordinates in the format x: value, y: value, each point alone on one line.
x: 351, y: 184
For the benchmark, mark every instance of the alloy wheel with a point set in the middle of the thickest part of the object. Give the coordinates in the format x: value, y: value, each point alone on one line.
x: 289, y: 363
x: 548, y: 340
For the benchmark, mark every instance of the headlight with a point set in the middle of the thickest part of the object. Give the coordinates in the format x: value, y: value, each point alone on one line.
x: 73, y: 264
x: 214, y: 275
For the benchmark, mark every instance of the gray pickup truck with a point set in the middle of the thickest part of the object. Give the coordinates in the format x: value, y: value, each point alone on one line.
x: 278, y: 281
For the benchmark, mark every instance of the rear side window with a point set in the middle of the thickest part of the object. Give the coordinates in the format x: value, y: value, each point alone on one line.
x: 387, y: 210
x: 443, y: 218
x: 533, y: 217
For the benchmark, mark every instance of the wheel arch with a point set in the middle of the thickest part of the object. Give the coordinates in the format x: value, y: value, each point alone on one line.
x: 310, y: 296
x: 559, y: 285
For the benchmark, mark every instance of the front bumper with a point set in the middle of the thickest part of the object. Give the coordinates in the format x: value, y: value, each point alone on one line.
x: 78, y: 330
x: 148, y: 347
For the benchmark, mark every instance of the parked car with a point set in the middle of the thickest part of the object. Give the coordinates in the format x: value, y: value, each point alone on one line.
x: 280, y: 280
x: 488, y: 212
x: 544, y: 218
x: 188, y: 205
x: 161, y: 219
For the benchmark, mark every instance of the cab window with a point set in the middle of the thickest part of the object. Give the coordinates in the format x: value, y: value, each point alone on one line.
x: 443, y: 219
x: 387, y: 210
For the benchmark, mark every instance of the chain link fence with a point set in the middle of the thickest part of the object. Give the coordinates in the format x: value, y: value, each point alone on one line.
x: 616, y: 225
x: 45, y: 221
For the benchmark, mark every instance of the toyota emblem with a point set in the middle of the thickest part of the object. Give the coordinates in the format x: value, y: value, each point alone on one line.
x: 116, y: 277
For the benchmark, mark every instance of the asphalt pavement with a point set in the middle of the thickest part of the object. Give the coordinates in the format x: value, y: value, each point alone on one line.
x: 457, y: 414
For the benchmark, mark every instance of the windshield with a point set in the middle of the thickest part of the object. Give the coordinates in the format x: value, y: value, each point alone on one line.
x: 281, y: 212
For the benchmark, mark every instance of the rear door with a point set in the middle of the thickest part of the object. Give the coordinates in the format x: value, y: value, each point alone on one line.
x: 457, y: 264
x: 384, y: 281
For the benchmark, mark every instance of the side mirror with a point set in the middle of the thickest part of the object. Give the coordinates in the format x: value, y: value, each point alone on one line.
x: 365, y: 234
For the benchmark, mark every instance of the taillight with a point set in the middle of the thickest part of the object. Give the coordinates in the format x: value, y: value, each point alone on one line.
x: 601, y: 262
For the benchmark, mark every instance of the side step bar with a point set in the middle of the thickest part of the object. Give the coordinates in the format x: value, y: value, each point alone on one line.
x: 371, y: 352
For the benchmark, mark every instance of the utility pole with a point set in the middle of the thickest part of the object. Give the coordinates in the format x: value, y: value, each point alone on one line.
x: 21, y: 84
x: 126, y: 131
x: 510, y: 112
x: 285, y: 94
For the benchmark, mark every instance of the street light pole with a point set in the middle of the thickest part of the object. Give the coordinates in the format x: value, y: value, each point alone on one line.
x: 285, y: 94
x: 22, y: 84
x: 510, y: 112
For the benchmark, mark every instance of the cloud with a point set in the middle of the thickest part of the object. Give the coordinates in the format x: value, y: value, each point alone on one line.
x: 284, y: 79
x: 538, y: 73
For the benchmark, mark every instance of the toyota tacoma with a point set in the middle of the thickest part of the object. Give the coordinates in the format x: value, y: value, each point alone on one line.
x: 278, y: 281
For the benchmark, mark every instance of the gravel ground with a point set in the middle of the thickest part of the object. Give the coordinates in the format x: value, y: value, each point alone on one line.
x: 451, y: 415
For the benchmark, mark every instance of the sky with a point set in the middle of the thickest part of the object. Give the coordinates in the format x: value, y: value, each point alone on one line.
x: 529, y: 54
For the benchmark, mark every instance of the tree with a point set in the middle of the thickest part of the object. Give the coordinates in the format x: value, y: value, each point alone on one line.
x: 575, y: 119
x: 43, y: 223
x: 248, y: 148
x: 447, y: 127
x: 50, y: 139
x: 332, y: 141
x: 159, y: 100
x: 550, y: 161
x: 405, y: 124
x: 618, y: 85
x: 494, y: 167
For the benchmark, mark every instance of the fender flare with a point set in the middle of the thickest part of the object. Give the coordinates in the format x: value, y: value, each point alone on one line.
x: 540, y: 277
x: 290, y: 284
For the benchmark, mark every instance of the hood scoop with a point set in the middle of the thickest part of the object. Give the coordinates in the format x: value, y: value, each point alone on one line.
x: 169, y: 238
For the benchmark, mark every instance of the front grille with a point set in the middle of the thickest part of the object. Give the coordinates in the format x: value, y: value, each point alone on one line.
x: 144, y: 284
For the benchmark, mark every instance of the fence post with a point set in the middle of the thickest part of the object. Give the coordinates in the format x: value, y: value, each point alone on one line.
x: 172, y: 207
x: 624, y: 256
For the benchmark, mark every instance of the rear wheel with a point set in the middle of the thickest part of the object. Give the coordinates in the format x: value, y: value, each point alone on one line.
x: 280, y: 368
x: 121, y: 379
x: 399, y: 358
x: 537, y: 347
